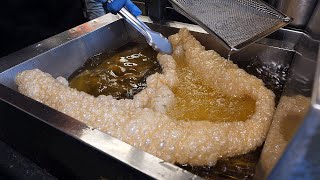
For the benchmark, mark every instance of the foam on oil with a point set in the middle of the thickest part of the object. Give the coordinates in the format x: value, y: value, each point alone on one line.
x: 197, y: 101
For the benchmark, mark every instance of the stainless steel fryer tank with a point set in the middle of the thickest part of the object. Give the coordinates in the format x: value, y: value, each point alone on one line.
x: 69, y: 148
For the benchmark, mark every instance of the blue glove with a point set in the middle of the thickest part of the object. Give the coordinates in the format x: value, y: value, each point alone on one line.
x: 114, y: 6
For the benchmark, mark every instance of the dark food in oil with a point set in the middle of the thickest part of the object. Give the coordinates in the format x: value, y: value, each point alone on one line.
x: 121, y: 73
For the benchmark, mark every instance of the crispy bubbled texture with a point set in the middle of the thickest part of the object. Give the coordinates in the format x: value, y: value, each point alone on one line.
x: 143, y: 122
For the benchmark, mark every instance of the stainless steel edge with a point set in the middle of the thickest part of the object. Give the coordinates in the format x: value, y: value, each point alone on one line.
x: 55, y: 41
x: 313, y: 27
x: 315, y: 101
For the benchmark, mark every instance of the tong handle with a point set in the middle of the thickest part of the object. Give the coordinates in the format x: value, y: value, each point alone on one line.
x: 135, y: 22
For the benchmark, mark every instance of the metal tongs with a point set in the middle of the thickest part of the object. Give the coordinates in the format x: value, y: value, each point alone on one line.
x: 154, y: 39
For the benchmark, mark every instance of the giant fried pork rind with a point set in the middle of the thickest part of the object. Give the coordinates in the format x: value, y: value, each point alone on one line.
x: 142, y: 122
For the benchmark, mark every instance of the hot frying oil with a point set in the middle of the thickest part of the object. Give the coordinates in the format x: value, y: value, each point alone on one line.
x: 121, y: 73
x: 197, y: 101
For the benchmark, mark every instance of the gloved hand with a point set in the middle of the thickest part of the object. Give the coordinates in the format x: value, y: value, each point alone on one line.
x: 114, y: 6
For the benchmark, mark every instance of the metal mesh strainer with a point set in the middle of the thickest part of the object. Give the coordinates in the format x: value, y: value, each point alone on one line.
x: 234, y: 23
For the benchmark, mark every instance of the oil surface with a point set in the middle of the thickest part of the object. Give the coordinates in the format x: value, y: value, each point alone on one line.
x: 274, y: 75
x: 121, y: 73
x: 197, y: 101
x: 238, y: 167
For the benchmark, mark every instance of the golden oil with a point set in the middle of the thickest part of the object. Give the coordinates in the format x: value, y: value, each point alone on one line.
x: 197, y: 101
x: 121, y: 73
